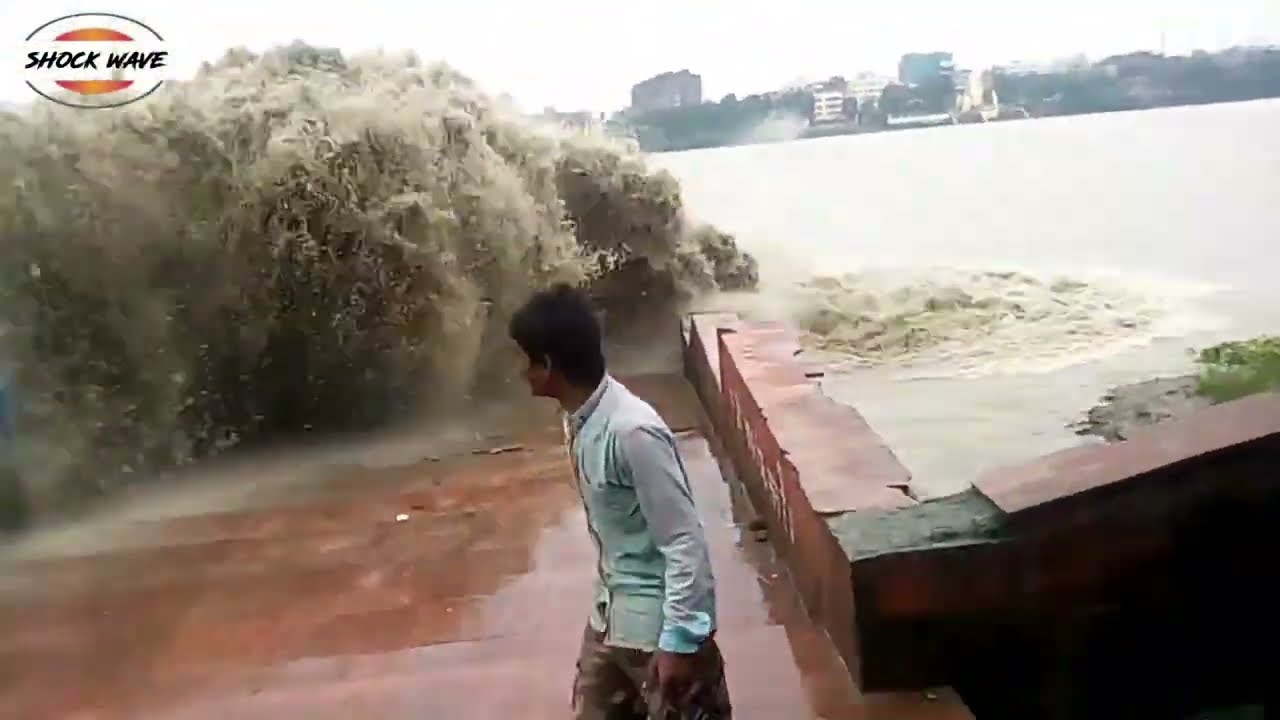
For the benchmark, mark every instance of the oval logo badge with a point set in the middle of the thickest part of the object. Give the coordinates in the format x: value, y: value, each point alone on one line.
x: 95, y: 60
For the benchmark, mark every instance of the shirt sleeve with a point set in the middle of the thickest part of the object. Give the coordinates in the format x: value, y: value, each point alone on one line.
x: 666, y: 501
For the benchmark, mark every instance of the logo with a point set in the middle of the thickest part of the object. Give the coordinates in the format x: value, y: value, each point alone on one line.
x: 95, y: 60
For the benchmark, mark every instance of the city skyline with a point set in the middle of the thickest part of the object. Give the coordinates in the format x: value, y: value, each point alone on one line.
x: 576, y: 55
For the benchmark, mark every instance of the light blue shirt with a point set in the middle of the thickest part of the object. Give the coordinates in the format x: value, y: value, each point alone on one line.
x: 654, y: 588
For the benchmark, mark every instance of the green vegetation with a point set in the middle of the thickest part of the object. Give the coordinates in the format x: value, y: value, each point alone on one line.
x: 1144, y: 80
x: 1236, y: 369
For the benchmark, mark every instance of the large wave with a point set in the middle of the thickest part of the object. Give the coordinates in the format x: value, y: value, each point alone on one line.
x: 299, y: 240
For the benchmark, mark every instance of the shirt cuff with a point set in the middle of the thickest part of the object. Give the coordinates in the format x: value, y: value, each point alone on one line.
x: 683, y: 640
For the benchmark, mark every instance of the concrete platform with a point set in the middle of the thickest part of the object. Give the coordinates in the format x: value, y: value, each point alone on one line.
x: 328, y: 607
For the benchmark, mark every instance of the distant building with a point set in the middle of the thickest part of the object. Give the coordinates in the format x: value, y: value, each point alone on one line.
x: 828, y: 106
x: 583, y: 121
x: 835, y: 83
x: 979, y: 91
x: 1074, y: 63
x: 866, y: 87
x: 919, y: 68
x: 668, y: 90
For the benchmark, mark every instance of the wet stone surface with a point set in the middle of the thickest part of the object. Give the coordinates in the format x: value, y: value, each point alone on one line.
x: 1129, y: 408
x: 452, y: 588
x: 964, y: 518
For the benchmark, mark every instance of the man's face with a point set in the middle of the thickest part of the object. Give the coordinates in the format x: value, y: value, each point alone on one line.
x: 538, y: 375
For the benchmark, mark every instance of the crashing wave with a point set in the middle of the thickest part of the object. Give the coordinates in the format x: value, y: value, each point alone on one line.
x: 301, y: 240
x: 960, y: 319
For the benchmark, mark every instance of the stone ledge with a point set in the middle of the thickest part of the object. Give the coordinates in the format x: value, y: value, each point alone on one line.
x: 1055, y: 489
x: 840, y: 463
x: 1056, y: 566
x: 808, y: 464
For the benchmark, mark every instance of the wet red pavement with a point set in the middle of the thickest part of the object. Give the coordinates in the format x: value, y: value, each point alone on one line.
x: 328, y: 607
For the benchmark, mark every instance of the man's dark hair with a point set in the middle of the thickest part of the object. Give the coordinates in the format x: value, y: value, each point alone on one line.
x: 558, y: 328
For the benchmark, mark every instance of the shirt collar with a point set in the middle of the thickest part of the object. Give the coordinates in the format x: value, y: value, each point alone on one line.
x: 579, y: 416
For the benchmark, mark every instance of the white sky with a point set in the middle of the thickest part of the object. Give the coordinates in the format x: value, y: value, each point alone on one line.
x: 580, y: 54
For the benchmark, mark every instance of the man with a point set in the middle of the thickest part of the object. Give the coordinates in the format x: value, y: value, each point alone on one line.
x: 648, y: 650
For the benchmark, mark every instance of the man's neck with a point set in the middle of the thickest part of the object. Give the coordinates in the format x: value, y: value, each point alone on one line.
x: 573, y: 398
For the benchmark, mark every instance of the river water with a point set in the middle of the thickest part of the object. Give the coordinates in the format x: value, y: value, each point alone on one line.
x: 978, y: 288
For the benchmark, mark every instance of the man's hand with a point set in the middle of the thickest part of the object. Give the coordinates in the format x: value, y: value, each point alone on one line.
x: 673, y: 674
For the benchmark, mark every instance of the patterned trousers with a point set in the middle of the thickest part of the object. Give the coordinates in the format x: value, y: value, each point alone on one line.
x: 613, y: 684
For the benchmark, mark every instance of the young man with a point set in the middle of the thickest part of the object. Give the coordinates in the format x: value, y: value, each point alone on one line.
x: 648, y: 650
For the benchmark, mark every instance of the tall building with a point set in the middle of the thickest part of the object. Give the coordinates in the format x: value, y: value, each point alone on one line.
x: 866, y: 87
x: 918, y: 68
x: 828, y: 106
x: 979, y: 91
x: 668, y: 90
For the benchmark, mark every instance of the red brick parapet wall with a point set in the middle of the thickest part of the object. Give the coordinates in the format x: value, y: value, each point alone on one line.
x: 761, y: 400
x: 1094, y: 535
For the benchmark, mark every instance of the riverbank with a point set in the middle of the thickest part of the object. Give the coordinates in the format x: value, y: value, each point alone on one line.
x: 813, y: 132
x: 1228, y: 371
